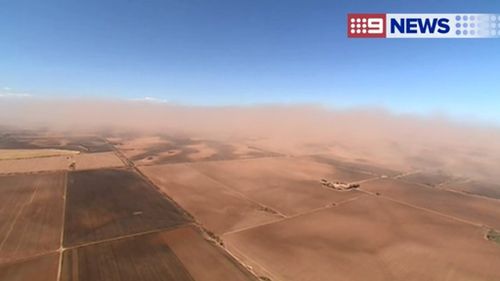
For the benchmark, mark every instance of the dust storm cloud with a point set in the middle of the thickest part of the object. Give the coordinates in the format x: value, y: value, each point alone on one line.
x: 372, y: 135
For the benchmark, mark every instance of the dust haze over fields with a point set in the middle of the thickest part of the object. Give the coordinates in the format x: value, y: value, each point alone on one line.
x: 371, y: 135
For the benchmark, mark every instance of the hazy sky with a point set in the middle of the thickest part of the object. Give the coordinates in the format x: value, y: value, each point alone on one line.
x: 244, y: 52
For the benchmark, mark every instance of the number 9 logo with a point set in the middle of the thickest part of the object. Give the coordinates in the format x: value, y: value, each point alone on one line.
x: 375, y: 26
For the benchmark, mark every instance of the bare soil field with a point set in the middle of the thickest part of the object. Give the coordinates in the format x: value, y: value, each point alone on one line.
x: 91, y: 144
x: 177, y: 255
x: 358, y: 166
x: 39, y: 141
x: 103, y: 204
x: 469, y: 208
x: 446, y: 181
x: 203, y: 260
x: 16, y: 141
x: 82, y: 161
x: 43, y: 268
x: 217, y: 207
x: 133, y: 146
x: 286, y: 184
x: 56, y: 163
x: 482, y: 188
x: 88, y: 161
x: 6, y: 154
x: 138, y: 258
x: 167, y: 149
x: 370, y: 238
x: 31, y: 212
x: 430, y: 178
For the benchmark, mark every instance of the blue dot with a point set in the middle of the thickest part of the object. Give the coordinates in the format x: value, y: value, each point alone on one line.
x: 458, y: 32
x: 472, y: 32
x: 472, y: 25
x: 465, y: 17
x: 472, y: 17
x: 457, y: 17
x: 458, y: 24
x: 465, y: 32
x: 465, y: 24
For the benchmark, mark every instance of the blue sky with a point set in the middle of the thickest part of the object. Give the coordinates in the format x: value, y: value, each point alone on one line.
x: 245, y: 52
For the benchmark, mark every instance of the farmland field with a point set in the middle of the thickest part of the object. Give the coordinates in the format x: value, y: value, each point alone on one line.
x: 177, y: 255
x: 82, y: 161
x: 487, y: 189
x: 203, y: 260
x: 428, y: 178
x: 137, y: 258
x: 55, y: 163
x: 370, y: 238
x: 39, y: 141
x: 31, y: 212
x: 358, y: 166
x: 481, y: 211
x: 6, y: 154
x: 287, y: 185
x: 88, y: 161
x: 164, y: 149
x: 216, y: 206
x: 105, y: 203
x: 43, y: 268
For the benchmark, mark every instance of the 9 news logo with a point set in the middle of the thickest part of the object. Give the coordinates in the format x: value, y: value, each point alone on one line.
x: 366, y: 25
x: 423, y: 25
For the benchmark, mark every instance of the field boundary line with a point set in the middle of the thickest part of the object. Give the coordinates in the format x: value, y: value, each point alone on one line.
x: 405, y: 174
x: 11, y: 228
x: 61, y: 239
x: 249, y: 267
x: 121, y: 156
x: 253, y: 226
x: 242, y: 195
x: 27, y: 258
x: 445, y: 186
x: 308, y: 212
x: 37, y: 157
x: 464, y: 193
x: 426, y: 209
x: 3, y: 174
x: 451, y: 190
x: 157, y: 230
